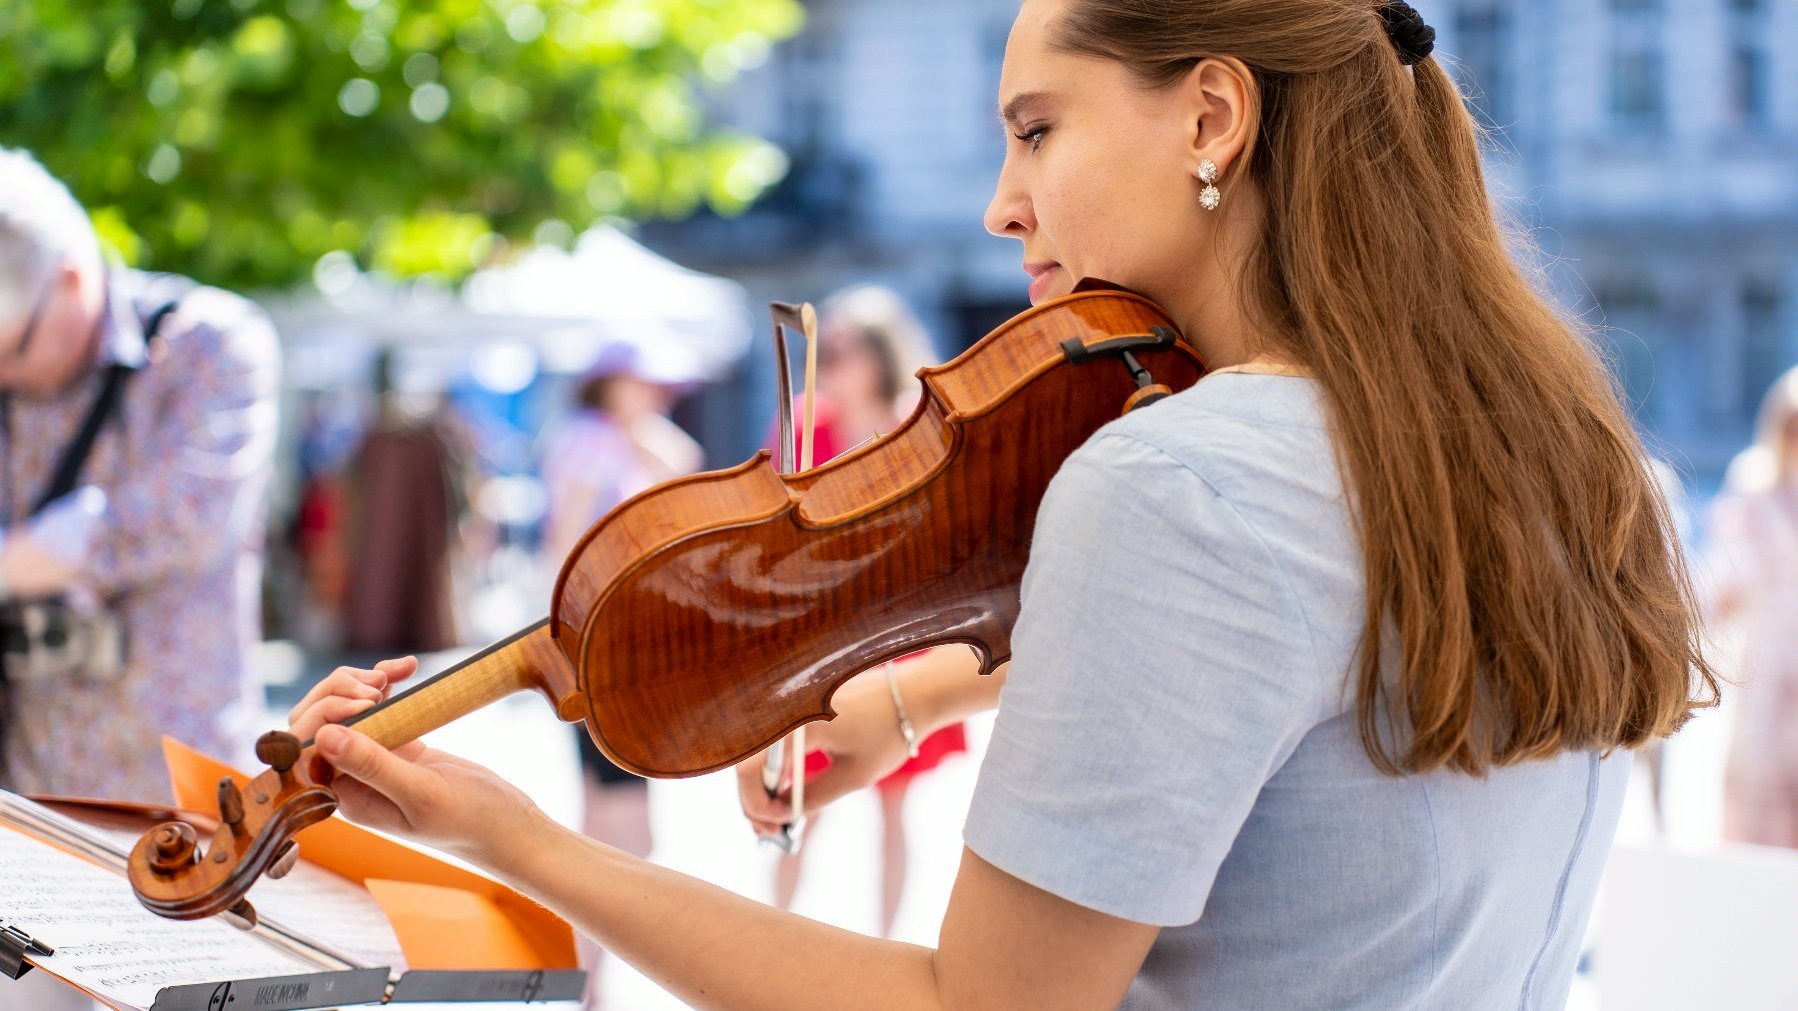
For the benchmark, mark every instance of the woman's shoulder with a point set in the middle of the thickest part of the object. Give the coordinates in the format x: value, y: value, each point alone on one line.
x: 1243, y: 460
x: 1250, y: 438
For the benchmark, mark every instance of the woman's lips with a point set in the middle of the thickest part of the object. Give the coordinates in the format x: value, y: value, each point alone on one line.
x: 1040, y: 281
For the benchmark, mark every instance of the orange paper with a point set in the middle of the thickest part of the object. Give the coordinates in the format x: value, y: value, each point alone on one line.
x: 446, y: 917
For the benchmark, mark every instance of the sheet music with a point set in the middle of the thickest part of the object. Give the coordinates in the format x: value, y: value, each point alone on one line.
x: 320, y: 903
x: 108, y: 943
x: 316, y: 903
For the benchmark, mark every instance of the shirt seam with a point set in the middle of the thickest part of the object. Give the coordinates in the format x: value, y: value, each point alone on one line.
x: 1258, y: 422
x: 1423, y: 787
x: 1554, y: 915
x: 1196, y: 406
x: 1286, y: 582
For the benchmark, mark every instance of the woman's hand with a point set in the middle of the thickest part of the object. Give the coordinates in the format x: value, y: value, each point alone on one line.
x: 413, y: 791
x: 938, y: 687
x: 345, y: 692
x: 863, y: 742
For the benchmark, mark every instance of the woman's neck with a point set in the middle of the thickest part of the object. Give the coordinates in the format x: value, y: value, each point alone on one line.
x: 1211, y: 311
x: 1220, y: 331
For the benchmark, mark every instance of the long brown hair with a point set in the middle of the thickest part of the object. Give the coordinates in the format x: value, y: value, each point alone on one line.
x: 1514, y: 541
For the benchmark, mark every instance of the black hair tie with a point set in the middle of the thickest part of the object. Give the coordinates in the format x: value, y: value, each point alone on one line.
x: 1410, y: 36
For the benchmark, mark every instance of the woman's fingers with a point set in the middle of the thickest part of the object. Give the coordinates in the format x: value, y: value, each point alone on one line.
x: 330, y: 709
x: 365, y: 804
x: 757, y: 805
x: 426, y: 795
x: 358, y: 756
x: 344, y: 682
x: 767, y: 814
x: 398, y: 669
x: 358, y: 682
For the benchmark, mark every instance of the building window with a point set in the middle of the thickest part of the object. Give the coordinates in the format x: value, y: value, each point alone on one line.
x: 808, y: 72
x: 1638, y: 100
x: 1484, y: 36
x: 1762, y: 355
x: 1748, y: 85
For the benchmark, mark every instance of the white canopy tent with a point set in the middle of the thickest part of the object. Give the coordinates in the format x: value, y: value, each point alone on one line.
x: 557, y: 310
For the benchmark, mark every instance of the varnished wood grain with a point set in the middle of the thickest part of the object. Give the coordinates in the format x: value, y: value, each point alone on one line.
x: 730, y: 634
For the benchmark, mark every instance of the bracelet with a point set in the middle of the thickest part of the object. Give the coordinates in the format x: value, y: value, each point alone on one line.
x: 905, y: 728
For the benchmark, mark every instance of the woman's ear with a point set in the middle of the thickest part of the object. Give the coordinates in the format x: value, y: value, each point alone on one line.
x: 1221, y: 100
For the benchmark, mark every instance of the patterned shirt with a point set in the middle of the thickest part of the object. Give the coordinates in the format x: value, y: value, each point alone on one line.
x: 185, y: 464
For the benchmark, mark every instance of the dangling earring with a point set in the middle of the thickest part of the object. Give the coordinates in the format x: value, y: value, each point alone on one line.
x: 1210, y: 196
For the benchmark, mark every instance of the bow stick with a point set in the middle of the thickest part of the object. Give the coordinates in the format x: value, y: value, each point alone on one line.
x: 786, y: 760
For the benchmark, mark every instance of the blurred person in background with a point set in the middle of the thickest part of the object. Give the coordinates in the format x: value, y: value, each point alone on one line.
x: 130, y: 560
x: 617, y: 442
x: 330, y: 432
x: 870, y: 345
x: 404, y: 494
x: 1753, y: 578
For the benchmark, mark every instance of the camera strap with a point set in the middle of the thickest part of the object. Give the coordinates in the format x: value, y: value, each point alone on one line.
x: 106, y: 404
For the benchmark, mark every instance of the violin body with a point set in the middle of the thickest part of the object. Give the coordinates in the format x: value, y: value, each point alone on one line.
x: 713, y: 614
x: 703, y: 619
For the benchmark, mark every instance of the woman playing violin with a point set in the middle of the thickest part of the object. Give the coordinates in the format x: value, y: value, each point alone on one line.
x: 1327, y: 669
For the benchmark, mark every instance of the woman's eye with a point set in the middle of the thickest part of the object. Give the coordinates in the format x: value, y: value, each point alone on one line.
x: 1033, y: 136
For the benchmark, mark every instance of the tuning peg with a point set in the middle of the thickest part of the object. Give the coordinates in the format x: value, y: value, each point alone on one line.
x: 230, y: 803
x: 289, y: 855
x: 174, y: 846
x: 278, y: 750
x: 242, y: 915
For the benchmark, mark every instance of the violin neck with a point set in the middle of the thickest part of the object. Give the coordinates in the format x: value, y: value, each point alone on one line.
x: 525, y: 661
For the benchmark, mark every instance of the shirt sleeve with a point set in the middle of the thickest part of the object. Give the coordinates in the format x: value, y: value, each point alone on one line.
x: 1157, y: 681
x: 195, y: 493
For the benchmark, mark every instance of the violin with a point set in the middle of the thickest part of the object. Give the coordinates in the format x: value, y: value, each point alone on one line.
x: 705, y: 618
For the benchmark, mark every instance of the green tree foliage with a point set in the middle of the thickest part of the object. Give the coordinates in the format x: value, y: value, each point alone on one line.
x: 240, y: 140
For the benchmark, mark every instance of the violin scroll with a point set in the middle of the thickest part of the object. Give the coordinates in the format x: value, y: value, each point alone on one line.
x: 173, y: 877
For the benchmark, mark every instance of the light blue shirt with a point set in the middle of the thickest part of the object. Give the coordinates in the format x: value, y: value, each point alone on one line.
x: 1177, y: 742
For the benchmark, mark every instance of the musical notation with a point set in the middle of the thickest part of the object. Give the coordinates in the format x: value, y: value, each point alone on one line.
x: 305, y: 910
x: 316, y: 902
x: 106, y: 942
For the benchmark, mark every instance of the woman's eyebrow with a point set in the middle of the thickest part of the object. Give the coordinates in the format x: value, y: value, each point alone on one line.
x: 1020, y: 104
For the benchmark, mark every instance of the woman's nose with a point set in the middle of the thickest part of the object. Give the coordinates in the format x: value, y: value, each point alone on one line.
x: 1008, y: 214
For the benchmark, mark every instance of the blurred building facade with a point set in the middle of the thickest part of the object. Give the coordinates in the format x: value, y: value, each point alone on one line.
x: 1649, y: 145
x: 1653, y: 147
x: 886, y: 111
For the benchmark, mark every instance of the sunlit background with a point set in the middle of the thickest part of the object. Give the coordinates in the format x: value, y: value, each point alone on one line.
x: 480, y: 196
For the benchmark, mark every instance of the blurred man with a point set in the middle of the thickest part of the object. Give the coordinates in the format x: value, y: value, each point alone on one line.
x: 137, y: 421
